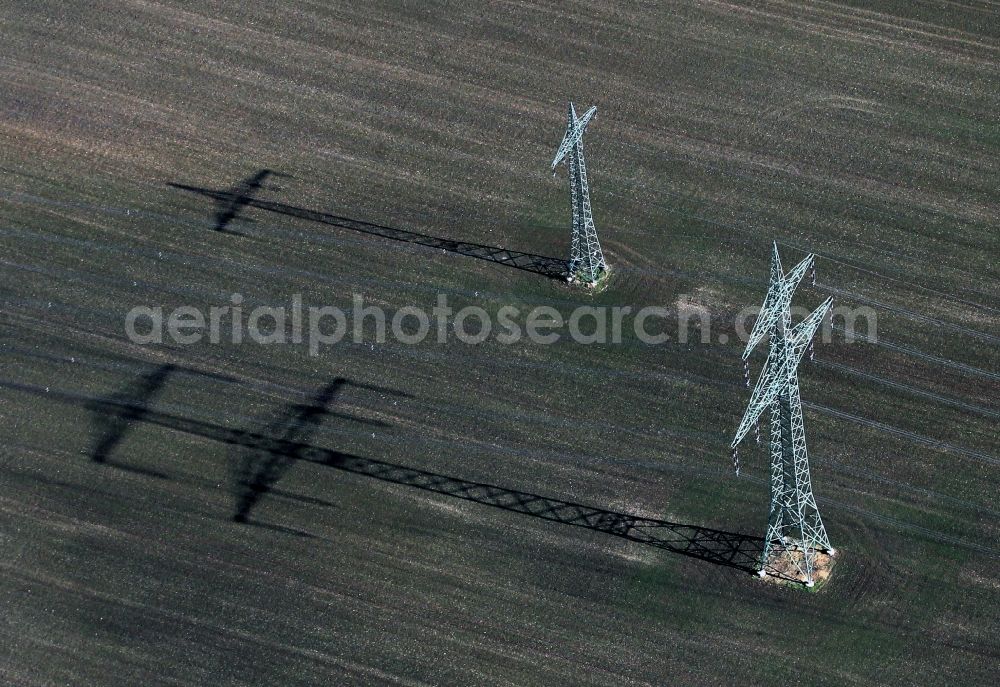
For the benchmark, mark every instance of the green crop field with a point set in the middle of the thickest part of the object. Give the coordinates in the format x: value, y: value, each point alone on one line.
x: 492, y: 514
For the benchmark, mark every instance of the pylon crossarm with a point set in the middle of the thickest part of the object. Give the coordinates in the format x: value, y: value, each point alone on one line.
x: 574, y: 132
x: 770, y: 311
x: 771, y: 308
x: 773, y: 378
x: 796, y: 274
x: 804, y: 331
x: 779, y: 294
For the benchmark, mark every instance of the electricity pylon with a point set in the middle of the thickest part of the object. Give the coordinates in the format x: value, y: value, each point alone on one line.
x: 794, y: 528
x: 586, y: 260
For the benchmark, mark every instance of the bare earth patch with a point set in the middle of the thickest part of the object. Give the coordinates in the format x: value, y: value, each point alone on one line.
x: 783, y: 569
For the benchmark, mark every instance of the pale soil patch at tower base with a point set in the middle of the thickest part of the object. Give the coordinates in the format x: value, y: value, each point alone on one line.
x: 597, y: 285
x: 783, y: 569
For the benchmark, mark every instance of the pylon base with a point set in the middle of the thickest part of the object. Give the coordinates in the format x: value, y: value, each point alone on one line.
x: 597, y: 284
x: 784, y: 567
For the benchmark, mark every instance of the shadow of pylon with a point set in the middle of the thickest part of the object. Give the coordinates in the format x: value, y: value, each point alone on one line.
x: 723, y: 548
x: 239, y: 197
x: 719, y: 547
x: 256, y: 471
x: 234, y: 200
x: 134, y: 400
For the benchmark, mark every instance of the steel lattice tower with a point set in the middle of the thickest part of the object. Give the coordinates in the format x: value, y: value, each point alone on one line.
x: 794, y: 528
x: 586, y: 261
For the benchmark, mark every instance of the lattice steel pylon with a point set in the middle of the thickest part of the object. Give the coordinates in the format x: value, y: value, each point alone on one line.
x: 586, y: 260
x: 795, y: 529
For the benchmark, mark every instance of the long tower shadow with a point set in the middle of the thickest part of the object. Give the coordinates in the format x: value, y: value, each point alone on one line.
x: 728, y: 549
x: 553, y: 268
x: 719, y: 547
